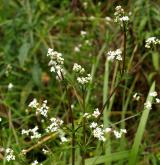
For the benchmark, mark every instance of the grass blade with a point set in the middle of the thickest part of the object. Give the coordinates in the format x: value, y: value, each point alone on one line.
x: 140, y: 131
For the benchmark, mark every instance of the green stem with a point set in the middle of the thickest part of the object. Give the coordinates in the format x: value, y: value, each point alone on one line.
x: 84, y: 128
x: 124, y: 47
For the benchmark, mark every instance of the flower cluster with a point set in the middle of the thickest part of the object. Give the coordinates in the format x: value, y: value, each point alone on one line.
x: 111, y: 55
x: 40, y: 109
x: 35, y: 163
x: 78, y: 68
x: 96, y: 113
x: 120, y: 15
x: 99, y: 132
x: 56, y: 63
x: 84, y: 80
x: 55, y: 125
x: 83, y: 33
x: 10, y: 154
x: 152, y: 41
x: 136, y: 96
x: 148, y: 104
x: 10, y: 86
x: 77, y: 48
x: 33, y: 132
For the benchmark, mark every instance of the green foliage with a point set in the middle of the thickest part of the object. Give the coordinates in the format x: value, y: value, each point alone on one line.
x: 28, y: 28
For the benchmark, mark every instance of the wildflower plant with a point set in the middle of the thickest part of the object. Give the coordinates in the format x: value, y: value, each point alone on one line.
x: 75, y: 125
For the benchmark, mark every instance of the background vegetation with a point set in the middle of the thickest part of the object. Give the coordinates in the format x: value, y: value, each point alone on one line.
x: 28, y: 28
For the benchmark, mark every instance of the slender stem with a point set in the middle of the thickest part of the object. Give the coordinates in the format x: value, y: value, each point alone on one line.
x: 124, y: 47
x: 73, y: 128
x: 84, y: 128
x: 70, y: 117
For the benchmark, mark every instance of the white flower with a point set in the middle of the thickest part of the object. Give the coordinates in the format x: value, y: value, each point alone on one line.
x: 148, y: 105
x: 87, y: 42
x: 56, y: 62
x: 83, y: 33
x: 123, y: 130
x: 124, y: 18
x: 111, y: 55
x: 45, y: 151
x: 99, y: 133
x: 43, y: 110
x: 119, y: 15
x: 92, y: 17
x: 85, y: 4
x: 63, y: 139
x: 9, y: 154
x: 136, y: 96
x: 33, y: 103
x: 87, y: 115
x: 96, y: 113
x: 0, y: 119
x: 157, y: 100
x: 55, y: 125
x: 153, y: 94
x: 76, y: 49
x: 34, y: 163
x: 10, y: 86
x: 117, y: 134
x: 34, y: 133
x: 108, y: 19
x: 152, y: 41
x: 78, y: 68
x: 106, y: 130
x: 93, y: 125
x: 84, y: 80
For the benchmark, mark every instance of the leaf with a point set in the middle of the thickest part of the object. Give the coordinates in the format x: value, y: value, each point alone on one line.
x: 141, y: 128
x: 36, y: 74
x: 103, y: 159
x: 23, y: 53
x: 25, y: 93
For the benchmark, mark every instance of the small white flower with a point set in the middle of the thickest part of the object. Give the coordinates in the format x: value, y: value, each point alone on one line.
x: 106, y: 130
x: 91, y: 17
x: 9, y: 154
x: 93, y: 125
x: 153, y: 94
x: 76, y: 49
x: 120, y: 15
x: 83, y: 33
x: 148, y: 105
x: 157, y: 100
x: 63, y: 139
x: 124, y: 18
x: 78, y: 68
x: 55, y: 125
x: 33, y: 103
x: 85, y: 4
x: 45, y: 151
x: 99, y: 133
x: 0, y: 119
x: 87, y: 115
x: 117, y: 134
x: 111, y: 55
x: 108, y: 19
x: 34, y: 163
x: 33, y: 132
x: 136, y: 96
x: 96, y: 113
x: 84, y: 80
x: 152, y: 41
x: 123, y: 130
x: 10, y: 86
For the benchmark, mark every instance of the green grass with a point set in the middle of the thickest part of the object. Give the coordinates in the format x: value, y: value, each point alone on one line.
x: 28, y: 28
